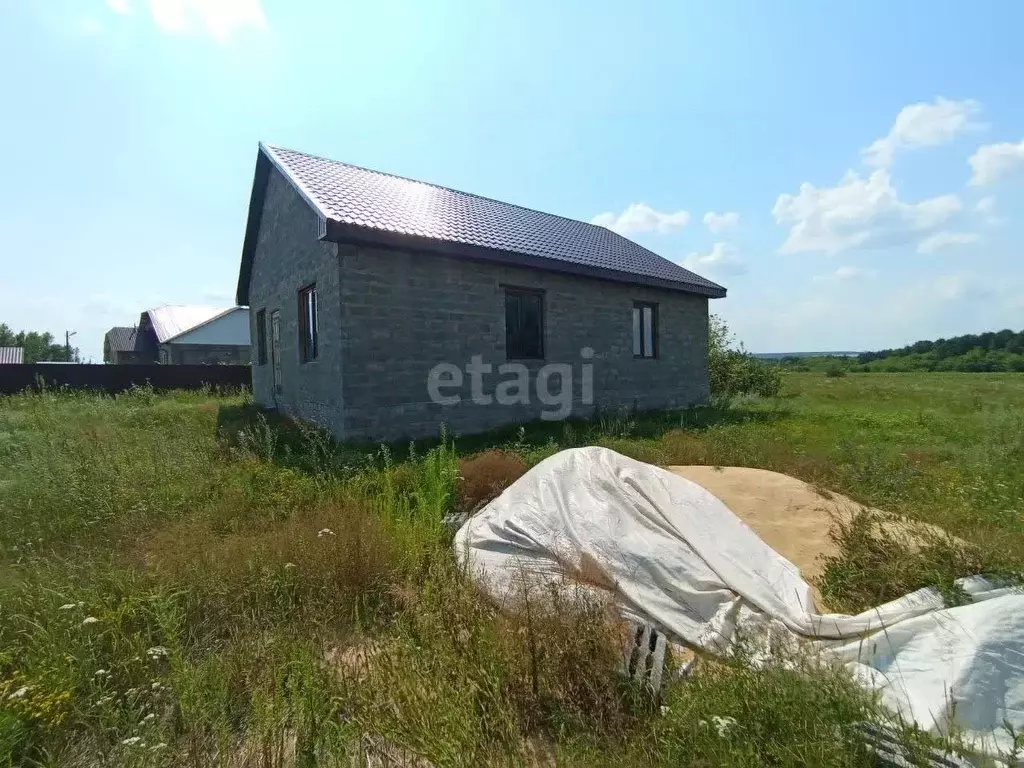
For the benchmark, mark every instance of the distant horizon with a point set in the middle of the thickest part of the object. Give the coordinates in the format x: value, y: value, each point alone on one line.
x: 837, y: 353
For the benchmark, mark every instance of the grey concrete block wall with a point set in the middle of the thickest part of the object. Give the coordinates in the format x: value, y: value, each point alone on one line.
x: 386, y: 318
x: 402, y: 313
x: 207, y: 354
x: 288, y: 256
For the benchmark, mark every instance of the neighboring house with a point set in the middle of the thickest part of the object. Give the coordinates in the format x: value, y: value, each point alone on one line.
x: 121, y: 346
x: 361, y: 283
x: 178, y: 335
x: 12, y: 355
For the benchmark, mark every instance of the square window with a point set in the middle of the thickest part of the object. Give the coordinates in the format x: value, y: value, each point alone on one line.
x: 645, y: 329
x: 524, y: 324
x: 308, y: 337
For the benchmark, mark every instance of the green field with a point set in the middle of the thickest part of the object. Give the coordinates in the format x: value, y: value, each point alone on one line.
x: 185, y: 582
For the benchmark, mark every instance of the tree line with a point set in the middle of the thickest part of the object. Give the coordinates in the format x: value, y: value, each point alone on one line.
x: 38, y: 347
x: 992, y: 351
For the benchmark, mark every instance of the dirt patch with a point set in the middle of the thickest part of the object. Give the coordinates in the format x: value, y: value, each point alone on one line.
x: 793, y: 517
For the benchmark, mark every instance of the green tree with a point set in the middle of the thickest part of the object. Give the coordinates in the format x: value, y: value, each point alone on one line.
x: 39, y: 347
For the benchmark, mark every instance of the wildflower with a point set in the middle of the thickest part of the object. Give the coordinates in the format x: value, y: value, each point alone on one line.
x: 157, y: 652
x: 89, y: 620
x: 158, y: 747
x: 156, y: 686
x: 102, y: 672
x: 20, y: 693
x: 67, y: 607
x: 664, y: 710
x: 723, y: 724
x: 131, y: 740
x: 289, y: 566
x: 147, y: 719
x: 325, y: 532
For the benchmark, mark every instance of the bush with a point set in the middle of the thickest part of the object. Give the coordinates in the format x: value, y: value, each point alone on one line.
x: 734, y: 371
x: 834, y: 372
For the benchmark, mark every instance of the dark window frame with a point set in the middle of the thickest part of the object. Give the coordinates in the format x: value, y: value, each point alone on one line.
x: 309, y: 335
x: 261, y: 337
x: 653, y: 306
x: 517, y: 350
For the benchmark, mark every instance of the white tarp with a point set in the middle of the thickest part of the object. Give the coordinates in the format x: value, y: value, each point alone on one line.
x: 682, y: 560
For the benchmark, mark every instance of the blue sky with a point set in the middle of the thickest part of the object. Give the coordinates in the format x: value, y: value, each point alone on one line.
x: 864, y: 164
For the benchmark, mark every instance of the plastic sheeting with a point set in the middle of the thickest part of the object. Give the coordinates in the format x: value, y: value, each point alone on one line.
x: 680, y: 559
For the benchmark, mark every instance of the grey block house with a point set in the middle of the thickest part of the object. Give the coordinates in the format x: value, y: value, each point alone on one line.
x: 382, y: 307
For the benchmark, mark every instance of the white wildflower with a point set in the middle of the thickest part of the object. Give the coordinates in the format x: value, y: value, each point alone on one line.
x: 723, y: 724
x: 131, y: 741
x: 79, y: 604
x: 90, y: 620
x: 20, y: 693
x: 157, y: 652
x: 157, y: 747
x: 156, y: 686
x: 147, y: 719
x: 664, y: 710
x: 102, y: 672
x: 67, y: 607
x: 325, y: 532
x: 289, y: 566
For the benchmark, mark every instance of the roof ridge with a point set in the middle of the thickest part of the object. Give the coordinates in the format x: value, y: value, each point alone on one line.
x: 275, y: 148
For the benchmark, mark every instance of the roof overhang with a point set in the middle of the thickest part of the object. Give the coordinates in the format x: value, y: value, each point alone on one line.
x: 334, y: 231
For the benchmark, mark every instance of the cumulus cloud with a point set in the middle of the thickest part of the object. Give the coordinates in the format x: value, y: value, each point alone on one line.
x: 640, y: 217
x: 857, y: 213
x: 218, y: 18
x: 994, y: 162
x: 940, y: 240
x: 722, y: 259
x: 721, y: 222
x: 923, y: 125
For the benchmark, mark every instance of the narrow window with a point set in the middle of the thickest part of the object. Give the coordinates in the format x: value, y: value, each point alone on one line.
x: 261, y: 337
x: 645, y: 330
x: 308, y: 323
x: 524, y: 324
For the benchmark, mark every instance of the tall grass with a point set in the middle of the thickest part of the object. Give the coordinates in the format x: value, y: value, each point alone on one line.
x: 186, y: 581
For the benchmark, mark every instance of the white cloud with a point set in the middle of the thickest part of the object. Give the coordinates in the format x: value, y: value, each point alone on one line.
x: 923, y: 125
x: 857, y: 213
x: 987, y: 208
x: 218, y: 18
x: 945, y: 239
x: 993, y: 162
x: 640, y: 217
x: 722, y: 259
x: 843, y: 274
x: 721, y: 222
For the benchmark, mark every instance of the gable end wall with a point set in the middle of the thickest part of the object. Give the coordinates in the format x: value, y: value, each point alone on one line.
x: 287, y: 257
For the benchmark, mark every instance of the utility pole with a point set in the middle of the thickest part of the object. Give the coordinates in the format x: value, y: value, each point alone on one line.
x: 67, y: 344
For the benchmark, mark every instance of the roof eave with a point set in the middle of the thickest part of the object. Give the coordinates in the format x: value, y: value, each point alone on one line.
x: 266, y: 159
x: 341, y: 232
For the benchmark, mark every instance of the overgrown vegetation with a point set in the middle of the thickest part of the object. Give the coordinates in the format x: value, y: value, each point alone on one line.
x: 184, y: 581
x: 734, y: 371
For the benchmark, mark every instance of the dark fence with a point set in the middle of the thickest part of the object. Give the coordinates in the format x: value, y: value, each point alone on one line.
x: 117, y: 378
